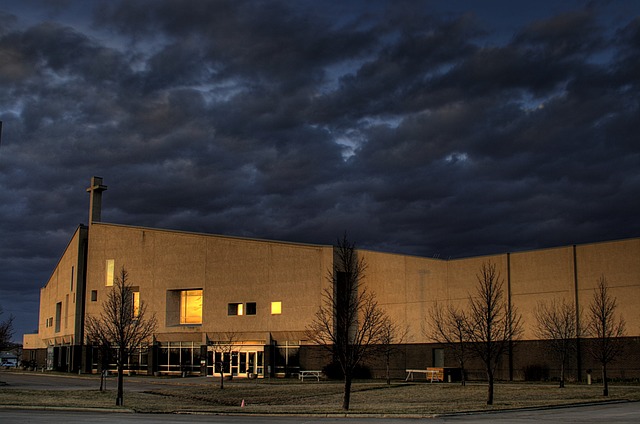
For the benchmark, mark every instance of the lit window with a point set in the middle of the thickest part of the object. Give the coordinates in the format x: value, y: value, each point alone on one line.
x: 251, y: 308
x: 235, y: 309
x: 109, y: 279
x: 276, y: 308
x: 191, y: 307
x: 136, y: 303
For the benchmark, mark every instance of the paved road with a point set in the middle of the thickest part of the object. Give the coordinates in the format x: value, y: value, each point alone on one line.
x: 624, y: 413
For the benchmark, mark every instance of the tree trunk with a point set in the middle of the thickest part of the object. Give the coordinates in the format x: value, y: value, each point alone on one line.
x: 490, y: 388
x: 222, y: 376
x: 120, y: 395
x: 463, y: 381
x: 347, y: 392
x: 605, y: 383
x: 562, y: 375
x: 388, y: 375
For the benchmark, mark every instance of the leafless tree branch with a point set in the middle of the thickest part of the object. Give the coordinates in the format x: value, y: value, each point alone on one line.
x: 557, y: 325
x: 120, y: 325
x: 605, y: 328
x: 491, y: 322
x: 349, y: 322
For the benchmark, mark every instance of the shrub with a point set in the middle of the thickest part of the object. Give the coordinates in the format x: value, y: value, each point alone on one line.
x: 334, y: 372
x: 536, y: 372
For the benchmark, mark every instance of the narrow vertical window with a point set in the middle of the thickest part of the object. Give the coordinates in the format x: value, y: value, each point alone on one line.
x: 58, y: 316
x: 66, y: 311
x: 276, y: 308
x: 191, y: 307
x: 94, y: 295
x: 109, y: 272
x: 72, y: 276
x: 135, y: 300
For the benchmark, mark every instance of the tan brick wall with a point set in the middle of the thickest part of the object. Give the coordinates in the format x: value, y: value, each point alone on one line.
x: 228, y: 270
x: 539, y: 277
x: 236, y: 270
x: 58, y: 290
x: 619, y: 262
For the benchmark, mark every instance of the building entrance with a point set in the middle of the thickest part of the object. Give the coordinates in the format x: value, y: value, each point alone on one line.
x: 236, y: 363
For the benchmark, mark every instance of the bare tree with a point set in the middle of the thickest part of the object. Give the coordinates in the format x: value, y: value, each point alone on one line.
x: 122, y: 324
x: 349, y: 322
x: 6, y: 330
x: 392, y: 335
x: 224, y: 344
x: 557, y: 325
x: 449, y: 328
x: 605, y: 329
x: 492, y: 324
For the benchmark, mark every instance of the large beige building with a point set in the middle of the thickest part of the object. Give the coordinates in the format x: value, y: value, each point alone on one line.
x: 253, y: 299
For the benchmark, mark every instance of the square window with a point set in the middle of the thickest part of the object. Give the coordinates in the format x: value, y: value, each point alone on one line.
x: 276, y: 308
x: 235, y: 309
x: 251, y: 308
x: 191, y: 307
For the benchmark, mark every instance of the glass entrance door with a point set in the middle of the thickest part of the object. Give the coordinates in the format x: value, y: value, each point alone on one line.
x: 237, y: 363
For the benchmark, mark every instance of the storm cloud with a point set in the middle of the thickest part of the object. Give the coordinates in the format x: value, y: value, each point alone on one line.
x: 418, y: 128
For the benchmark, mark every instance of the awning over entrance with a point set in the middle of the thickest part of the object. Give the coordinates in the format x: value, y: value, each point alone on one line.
x: 291, y: 337
x: 59, y: 341
x: 179, y: 337
x: 258, y: 337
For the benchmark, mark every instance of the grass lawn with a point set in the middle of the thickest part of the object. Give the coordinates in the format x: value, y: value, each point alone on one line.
x: 293, y: 397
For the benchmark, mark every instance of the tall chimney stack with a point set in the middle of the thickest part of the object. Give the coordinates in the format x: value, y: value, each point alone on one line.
x: 95, y: 200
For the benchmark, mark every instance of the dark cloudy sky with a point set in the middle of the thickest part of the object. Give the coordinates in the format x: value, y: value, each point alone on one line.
x: 446, y: 128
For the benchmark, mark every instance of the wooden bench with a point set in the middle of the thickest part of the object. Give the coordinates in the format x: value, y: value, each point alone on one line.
x: 303, y: 374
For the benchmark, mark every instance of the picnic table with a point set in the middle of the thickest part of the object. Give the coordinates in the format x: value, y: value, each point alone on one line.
x: 432, y: 374
x: 309, y: 373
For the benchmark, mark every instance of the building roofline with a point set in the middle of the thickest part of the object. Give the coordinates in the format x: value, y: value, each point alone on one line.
x: 485, y: 255
x: 196, y: 233
x: 313, y: 245
x: 562, y: 246
x: 66, y: 248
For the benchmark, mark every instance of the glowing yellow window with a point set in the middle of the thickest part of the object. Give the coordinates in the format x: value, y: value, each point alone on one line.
x: 235, y: 309
x: 136, y: 303
x: 109, y: 270
x: 276, y: 308
x: 191, y: 307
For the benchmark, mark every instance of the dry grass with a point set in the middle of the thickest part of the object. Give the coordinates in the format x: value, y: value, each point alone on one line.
x: 287, y: 397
